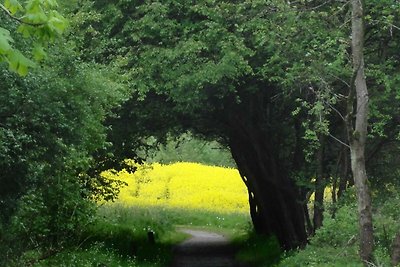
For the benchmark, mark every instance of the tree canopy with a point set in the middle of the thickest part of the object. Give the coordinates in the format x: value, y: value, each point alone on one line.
x: 272, y: 81
x: 267, y: 79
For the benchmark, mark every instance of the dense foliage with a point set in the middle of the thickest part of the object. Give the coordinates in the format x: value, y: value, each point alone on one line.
x: 187, y: 147
x: 269, y: 80
x: 50, y: 128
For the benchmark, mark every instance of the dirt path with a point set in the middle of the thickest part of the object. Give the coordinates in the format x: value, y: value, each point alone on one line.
x: 204, y: 249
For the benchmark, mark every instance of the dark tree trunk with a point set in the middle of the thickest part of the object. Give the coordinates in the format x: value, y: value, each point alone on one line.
x: 309, y: 225
x: 297, y: 164
x: 344, y: 180
x: 396, y: 250
x: 275, y: 205
x: 319, y: 187
x: 256, y: 216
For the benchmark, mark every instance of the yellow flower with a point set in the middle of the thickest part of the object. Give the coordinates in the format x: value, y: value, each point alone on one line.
x: 184, y: 185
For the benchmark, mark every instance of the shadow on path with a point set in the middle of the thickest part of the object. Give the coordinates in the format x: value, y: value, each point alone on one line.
x: 205, y: 249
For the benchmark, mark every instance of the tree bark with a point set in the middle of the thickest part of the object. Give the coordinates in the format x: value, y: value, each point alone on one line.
x: 319, y: 187
x: 344, y: 177
x: 297, y: 163
x: 358, y: 132
x: 344, y: 172
x: 396, y: 250
x: 275, y: 205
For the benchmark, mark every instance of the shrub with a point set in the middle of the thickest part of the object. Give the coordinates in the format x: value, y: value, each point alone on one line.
x: 340, y: 231
x: 52, y: 124
x: 336, y: 243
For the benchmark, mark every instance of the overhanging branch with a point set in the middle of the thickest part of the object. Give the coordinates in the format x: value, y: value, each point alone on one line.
x: 20, y: 20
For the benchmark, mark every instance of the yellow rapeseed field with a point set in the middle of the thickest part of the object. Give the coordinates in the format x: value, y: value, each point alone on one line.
x: 184, y: 185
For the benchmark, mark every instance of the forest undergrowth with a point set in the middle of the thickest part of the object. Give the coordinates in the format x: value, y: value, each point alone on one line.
x: 159, y: 199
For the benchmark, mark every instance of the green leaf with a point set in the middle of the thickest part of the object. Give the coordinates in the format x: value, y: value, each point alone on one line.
x: 38, y: 52
x: 13, y: 6
x: 5, y: 40
x: 50, y: 24
x: 35, y: 17
x: 57, y: 23
x: 32, y: 6
x: 50, y: 3
x: 19, y: 63
x: 25, y: 30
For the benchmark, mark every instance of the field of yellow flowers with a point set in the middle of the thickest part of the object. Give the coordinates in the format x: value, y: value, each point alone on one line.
x: 183, y: 185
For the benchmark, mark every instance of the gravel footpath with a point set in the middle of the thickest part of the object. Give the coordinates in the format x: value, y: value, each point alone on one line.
x: 205, y: 249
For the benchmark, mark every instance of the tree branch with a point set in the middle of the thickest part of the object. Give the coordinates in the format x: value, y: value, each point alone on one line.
x: 338, y: 140
x: 20, y: 20
x: 387, y: 23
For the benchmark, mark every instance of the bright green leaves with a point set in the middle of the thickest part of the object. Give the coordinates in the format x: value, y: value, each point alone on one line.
x: 39, y: 21
x: 56, y: 23
x: 13, y: 6
x: 5, y: 40
x: 44, y: 27
x: 19, y: 63
x: 16, y: 60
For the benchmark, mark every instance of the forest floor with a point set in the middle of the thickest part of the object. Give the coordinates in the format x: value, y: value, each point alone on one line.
x: 205, y: 249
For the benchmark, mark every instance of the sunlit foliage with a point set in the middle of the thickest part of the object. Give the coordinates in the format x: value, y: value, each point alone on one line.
x: 184, y: 185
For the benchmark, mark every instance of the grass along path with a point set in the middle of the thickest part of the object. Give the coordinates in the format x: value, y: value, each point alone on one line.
x: 194, y: 196
x: 164, y: 199
x: 188, y: 194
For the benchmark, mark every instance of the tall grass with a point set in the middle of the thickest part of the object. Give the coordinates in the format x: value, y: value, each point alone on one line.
x: 119, y: 236
x: 160, y: 199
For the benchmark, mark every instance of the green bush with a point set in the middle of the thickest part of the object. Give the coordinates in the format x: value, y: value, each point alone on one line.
x: 52, y: 216
x: 339, y: 231
x: 51, y: 126
x: 317, y: 256
x: 336, y: 243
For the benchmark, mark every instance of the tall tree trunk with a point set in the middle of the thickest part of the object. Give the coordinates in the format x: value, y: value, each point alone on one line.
x: 297, y: 163
x: 358, y: 132
x: 275, y: 204
x: 344, y: 172
x: 396, y: 250
x: 319, y: 186
x: 344, y: 179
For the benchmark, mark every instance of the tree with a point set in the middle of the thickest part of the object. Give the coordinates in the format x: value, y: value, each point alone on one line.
x: 234, y: 72
x: 220, y: 70
x: 358, y: 132
x: 38, y: 20
x: 51, y: 126
x: 395, y: 256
